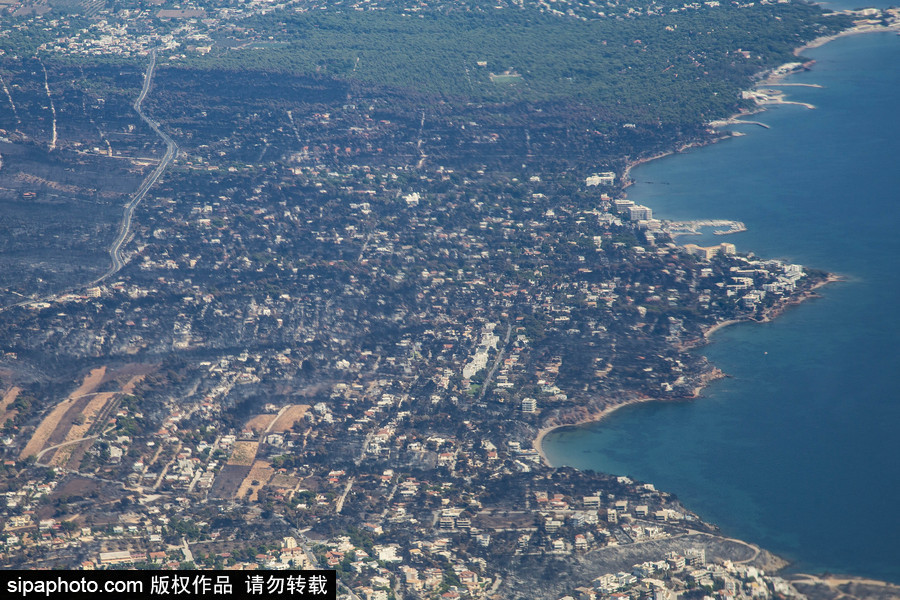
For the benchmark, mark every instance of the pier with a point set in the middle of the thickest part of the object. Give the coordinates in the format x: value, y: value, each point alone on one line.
x: 726, y: 227
x: 810, y: 85
x: 736, y: 121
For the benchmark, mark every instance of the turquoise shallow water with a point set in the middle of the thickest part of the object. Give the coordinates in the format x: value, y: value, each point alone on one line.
x: 799, y: 450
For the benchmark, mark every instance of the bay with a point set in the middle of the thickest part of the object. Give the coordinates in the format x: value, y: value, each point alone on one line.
x: 799, y: 451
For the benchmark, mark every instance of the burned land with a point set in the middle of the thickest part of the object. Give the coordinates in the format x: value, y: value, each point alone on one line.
x: 350, y: 302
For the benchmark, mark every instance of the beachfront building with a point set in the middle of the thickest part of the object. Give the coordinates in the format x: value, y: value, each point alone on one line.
x: 707, y: 252
x: 606, y: 178
x: 638, y: 212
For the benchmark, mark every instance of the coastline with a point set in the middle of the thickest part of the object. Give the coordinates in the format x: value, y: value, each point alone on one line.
x: 706, y: 378
x: 769, y: 77
x: 828, y: 587
x: 626, y: 173
x: 774, y: 312
x: 593, y: 417
x: 824, y: 586
x: 857, y: 30
x: 714, y: 328
x: 770, y: 315
x: 597, y: 416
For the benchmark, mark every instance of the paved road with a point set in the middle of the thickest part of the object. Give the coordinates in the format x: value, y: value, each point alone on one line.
x: 490, y: 375
x: 115, y: 251
x: 41, y: 454
x: 340, y: 503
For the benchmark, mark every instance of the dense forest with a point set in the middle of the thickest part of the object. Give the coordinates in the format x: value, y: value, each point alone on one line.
x: 647, y: 62
x: 677, y: 66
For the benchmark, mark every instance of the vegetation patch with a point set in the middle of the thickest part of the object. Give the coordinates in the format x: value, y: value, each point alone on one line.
x: 8, y: 398
x: 507, y: 76
x: 678, y: 66
x: 244, y: 453
x: 256, y: 479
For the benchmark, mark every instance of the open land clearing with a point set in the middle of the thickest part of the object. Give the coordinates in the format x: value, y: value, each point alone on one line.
x: 91, y: 420
x: 8, y: 398
x: 289, y: 417
x: 67, y: 430
x: 53, y: 421
x: 243, y: 454
x: 256, y: 479
x: 260, y: 423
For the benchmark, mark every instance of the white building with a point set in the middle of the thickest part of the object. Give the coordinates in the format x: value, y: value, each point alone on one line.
x: 638, y: 212
x: 605, y: 178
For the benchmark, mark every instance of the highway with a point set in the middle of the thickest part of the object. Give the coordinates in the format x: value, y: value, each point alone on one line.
x: 115, y: 251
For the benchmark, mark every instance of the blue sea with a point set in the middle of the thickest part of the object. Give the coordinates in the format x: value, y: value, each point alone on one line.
x: 799, y: 450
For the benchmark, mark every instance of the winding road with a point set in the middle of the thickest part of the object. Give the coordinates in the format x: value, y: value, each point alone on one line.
x: 115, y: 251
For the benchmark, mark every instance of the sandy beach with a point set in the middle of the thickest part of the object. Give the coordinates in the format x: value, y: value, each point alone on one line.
x: 821, y: 41
x: 591, y: 418
x: 596, y: 416
x: 711, y: 330
x: 626, y: 174
x: 773, y: 78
